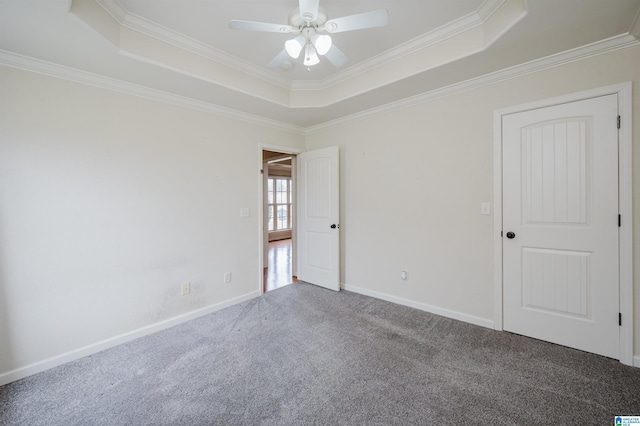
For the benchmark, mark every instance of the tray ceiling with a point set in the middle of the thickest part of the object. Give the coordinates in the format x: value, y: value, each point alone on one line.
x: 186, y: 50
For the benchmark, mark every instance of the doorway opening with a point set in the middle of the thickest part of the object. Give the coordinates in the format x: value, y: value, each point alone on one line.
x: 278, y: 272
x: 279, y: 219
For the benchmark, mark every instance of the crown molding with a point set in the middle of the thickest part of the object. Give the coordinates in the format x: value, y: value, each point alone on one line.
x: 115, y: 9
x: 488, y: 8
x: 26, y: 63
x: 451, y: 29
x: 137, y: 23
x: 39, y: 66
x: 131, y: 34
x: 152, y: 29
x: 594, y: 49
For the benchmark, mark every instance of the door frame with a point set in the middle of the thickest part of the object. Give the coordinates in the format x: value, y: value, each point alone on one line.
x: 262, y: 212
x: 625, y: 202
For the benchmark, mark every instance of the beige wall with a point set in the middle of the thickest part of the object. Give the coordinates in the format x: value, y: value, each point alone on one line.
x: 108, y: 202
x: 412, y: 182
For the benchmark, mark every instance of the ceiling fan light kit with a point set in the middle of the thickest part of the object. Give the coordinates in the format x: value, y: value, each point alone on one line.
x: 322, y: 43
x: 308, y: 22
x: 310, y: 56
x: 294, y: 46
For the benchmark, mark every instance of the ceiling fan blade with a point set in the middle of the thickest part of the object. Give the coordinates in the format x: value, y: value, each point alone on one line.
x: 309, y: 9
x: 336, y: 57
x: 377, y: 18
x: 279, y: 60
x: 260, y: 26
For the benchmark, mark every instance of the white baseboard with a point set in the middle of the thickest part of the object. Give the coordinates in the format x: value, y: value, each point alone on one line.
x: 436, y: 310
x: 483, y: 322
x: 37, y: 367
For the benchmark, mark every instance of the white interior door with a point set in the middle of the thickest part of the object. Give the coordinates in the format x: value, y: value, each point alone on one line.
x: 318, y: 218
x: 560, y: 224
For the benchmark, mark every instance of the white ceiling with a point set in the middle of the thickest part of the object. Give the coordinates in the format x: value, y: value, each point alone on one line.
x: 207, y: 22
x: 183, y: 49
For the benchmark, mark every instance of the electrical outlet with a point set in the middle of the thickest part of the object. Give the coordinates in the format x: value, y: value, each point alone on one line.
x: 227, y: 277
x: 186, y: 288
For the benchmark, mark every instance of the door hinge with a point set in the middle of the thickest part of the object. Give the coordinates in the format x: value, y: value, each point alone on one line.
x: 619, y: 221
x: 620, y: 318
x: 618, y: 122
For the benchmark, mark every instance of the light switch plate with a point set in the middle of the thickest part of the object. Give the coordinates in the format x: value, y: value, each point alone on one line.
x: 244, y: 212
x: 485, y: 208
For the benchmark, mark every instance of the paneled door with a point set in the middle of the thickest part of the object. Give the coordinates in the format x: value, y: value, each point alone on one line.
x: 318, y: 218
x: 560, y: 224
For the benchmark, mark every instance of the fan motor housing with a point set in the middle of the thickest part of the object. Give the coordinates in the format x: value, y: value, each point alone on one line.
x: 297, y: 21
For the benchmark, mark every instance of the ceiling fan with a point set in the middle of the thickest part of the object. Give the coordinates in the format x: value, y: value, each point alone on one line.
x: 308, y: 24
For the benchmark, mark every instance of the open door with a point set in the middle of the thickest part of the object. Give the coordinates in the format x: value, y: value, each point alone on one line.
x: 318, y: 218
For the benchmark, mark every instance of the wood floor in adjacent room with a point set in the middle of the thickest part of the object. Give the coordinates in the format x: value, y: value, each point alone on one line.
x: 278, y: 272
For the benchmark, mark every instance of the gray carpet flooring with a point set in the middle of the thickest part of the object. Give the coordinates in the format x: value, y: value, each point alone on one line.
x: 302, y: 355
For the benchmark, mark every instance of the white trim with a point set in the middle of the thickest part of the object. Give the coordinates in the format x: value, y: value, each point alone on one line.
x: 625, y: 200
x: 469, y: 22
x: 444, y: 32
x: 488, y: 8
x: 471, y: 319
x: 583, y: 52
x: 115, y: 9
x: 145, y: 26
x: 75, y: 354
x: 39, y: 66
x: 636, y: 361
x: 281, y: 149
x: 624, y: 92
x: 26, y: 63
x: 497, y: 220
x: 150, y: 28
x: 166, y: 35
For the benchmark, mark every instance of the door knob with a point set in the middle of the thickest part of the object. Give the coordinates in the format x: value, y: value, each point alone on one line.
x: 511, y: 235
x: 334, y: 226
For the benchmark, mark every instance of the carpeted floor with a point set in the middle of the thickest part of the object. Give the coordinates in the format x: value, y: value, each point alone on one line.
x: 302, y: 355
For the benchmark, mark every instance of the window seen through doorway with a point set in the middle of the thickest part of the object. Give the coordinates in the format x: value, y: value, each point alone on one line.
x: 279, y: 203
